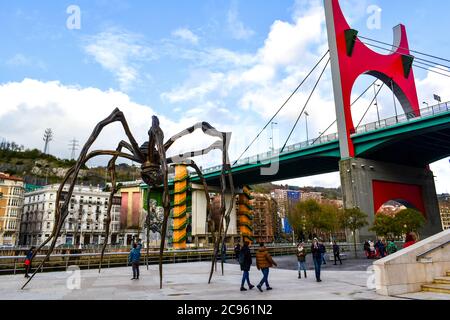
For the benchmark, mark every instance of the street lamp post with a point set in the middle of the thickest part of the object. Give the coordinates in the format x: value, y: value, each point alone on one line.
x: 307, y: 134
x: 273, y: 145
x: 375, y: 85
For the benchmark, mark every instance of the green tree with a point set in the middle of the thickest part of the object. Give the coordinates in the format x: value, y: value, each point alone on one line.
x: 404, y: 222
x: 385, y: 226
x: 409, y: 220
x: 353, y: 220
x: 303, y: 216
x: 312, y: 217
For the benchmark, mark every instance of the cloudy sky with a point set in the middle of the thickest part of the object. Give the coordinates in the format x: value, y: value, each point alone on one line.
x: 231, y: 63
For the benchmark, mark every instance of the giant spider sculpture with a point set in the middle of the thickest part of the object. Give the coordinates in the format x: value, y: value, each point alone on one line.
x: 154, y: 172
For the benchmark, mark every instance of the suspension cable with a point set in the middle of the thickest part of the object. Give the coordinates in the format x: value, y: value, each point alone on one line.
x: 415, y: 51
x: 442, y: 74
x: 416, y: 62
x: 373, y: 100
x: 356, y: 100
x: 306, y: 104
x: 282, y: 106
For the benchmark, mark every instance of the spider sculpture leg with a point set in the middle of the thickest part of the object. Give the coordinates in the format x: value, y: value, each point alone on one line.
x: 114, y: 190
x: 147, y: 225
x: 137, y: 156
x: 61, y: 212
x: 158, y: 135
x: 221, y: 145
x: 230, y: 208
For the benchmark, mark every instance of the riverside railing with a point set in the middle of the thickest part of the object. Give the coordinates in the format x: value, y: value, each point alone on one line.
x: 384, y: 123
x: 87, y: 261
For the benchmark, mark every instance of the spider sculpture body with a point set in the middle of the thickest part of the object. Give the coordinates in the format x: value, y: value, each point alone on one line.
x: 154, y: 172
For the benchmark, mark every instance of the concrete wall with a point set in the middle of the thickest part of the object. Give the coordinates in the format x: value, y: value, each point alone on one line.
x: 401, y: 273
x: 357, y: 176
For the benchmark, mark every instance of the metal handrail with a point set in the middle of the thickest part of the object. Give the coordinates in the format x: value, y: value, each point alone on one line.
x: 441, y: 246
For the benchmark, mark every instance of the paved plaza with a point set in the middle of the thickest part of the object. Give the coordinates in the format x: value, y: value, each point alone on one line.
x: 189, y: 282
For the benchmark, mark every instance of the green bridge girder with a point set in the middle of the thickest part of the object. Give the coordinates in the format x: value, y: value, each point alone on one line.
x: 417, y: 142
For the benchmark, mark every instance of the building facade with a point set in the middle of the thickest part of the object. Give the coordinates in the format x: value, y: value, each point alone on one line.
x: 316, y: 196
x: 132, y: 215
x: 286, y: 199
x: 264, y: 208
x: 11, y: 204
x: 85, y: 224
x: 444, y: 208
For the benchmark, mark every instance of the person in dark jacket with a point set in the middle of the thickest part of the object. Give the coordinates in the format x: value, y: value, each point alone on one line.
x: 135, y: 259
x: 237, y: 251
x: 367, y: 249
x: 317, y: 257
x: 264, y: 262
x: 323, y: 250
x: 301, y: 257
x: 224, y: 253
x: 245, y: 260
x: 336, y: 253
x: 381, y: 248
x: 29, y: 255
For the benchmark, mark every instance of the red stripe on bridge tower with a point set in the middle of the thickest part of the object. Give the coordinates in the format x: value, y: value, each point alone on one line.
x: 352, y: 58
x: 386, y: 191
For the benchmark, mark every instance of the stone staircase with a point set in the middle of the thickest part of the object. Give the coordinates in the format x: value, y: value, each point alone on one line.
x: 439, y: 285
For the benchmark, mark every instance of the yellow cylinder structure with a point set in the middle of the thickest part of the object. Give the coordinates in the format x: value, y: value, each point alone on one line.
x: 180, y: 207
x: 245, y: 215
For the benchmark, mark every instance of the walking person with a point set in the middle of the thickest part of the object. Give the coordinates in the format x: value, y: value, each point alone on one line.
x: 224, y: 253
x: 237, y: 251
x: 264, y: 262
x: 336, y: 253
x: 135, y: 259
x: 367, y: 249
x: 323, y: 251
x: 301, y: 257
x: 245, y: 260
x: 317, y: 257
x: 29, y: 255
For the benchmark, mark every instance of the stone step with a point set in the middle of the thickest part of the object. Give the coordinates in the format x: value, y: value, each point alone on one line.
x: 442, y: 280
x: 437, y: 288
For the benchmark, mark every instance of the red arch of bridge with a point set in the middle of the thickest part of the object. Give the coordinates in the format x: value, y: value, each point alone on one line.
x: 384, y: 191
x: 363, y: 60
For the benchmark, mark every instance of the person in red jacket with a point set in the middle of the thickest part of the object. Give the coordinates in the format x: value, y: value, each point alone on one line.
x: 410, y: 240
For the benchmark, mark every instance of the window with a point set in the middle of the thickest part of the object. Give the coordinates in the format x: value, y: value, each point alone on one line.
x: 48, y: 225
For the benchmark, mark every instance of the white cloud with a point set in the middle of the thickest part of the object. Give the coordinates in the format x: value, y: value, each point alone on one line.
x: 20, y: 60
x: 73, y: 112
x: 186, y: 34
x: 237, y: 28
x: 119, y: 52
x: 196, y: 87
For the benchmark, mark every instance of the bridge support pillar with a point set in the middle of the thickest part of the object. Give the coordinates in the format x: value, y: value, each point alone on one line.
x: 368, y: 184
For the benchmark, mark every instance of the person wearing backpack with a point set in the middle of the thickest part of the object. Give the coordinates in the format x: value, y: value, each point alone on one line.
x: 245, y: 261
